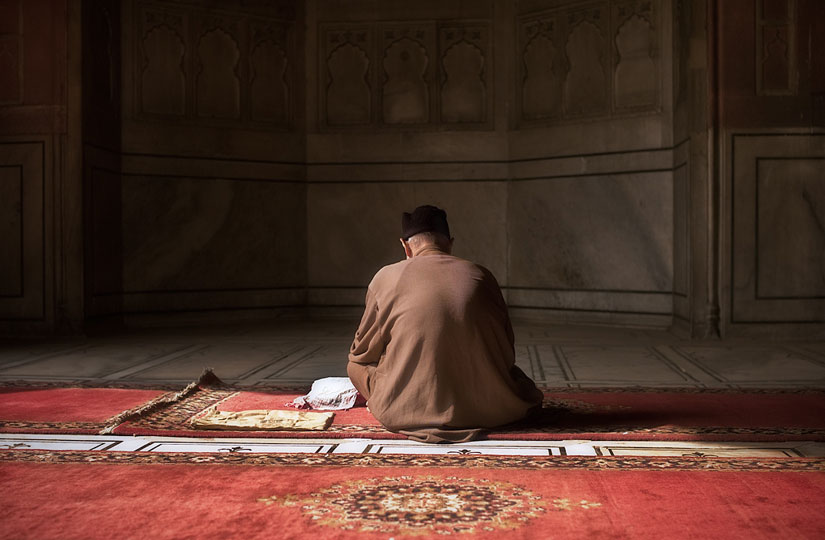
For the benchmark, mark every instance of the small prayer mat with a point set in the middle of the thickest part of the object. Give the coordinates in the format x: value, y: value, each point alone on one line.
x: 263, y: 420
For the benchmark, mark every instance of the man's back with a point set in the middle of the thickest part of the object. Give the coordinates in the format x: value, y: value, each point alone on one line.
x: 438, y: 330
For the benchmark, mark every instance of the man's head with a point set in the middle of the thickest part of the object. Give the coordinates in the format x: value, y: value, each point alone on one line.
x: 425, y: 227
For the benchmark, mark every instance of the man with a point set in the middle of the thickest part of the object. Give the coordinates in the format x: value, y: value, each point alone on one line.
x: 434, y: 354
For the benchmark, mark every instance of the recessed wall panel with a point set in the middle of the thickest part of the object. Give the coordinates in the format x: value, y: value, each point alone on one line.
x: 22, y: 231
x: 211, y: 234
x: 11, y: 230
x: 611, y: 233
x: 777, y: 240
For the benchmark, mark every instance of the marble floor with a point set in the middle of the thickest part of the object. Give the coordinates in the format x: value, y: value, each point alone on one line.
x: 295, y: 351
x: 287, y: 351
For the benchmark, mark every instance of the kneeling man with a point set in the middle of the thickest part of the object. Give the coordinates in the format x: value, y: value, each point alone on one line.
x: 434, y: 352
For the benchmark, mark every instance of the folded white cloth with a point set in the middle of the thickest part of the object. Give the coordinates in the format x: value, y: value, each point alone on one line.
x: 330, y: 393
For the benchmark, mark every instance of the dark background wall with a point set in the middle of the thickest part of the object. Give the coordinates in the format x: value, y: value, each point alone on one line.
x: 772, y: 162
x: 653, y: 162
x: 213, y: 200
x: 40, y: 205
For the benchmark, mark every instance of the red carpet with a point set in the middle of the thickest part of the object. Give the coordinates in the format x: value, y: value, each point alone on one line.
x: 591, y: 414
x: 55, y: 409
x: 100, y: 495
x: 607, y: 414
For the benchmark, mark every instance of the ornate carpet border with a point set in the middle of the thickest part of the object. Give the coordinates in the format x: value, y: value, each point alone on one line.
x: 82, y: 428
x: 474, y: 462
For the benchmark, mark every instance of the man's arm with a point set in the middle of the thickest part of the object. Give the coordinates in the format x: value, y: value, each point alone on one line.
x: 367, y: 347
x: 526, y: 388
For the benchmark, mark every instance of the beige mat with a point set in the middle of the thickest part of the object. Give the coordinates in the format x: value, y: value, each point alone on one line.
x: 263, y: 420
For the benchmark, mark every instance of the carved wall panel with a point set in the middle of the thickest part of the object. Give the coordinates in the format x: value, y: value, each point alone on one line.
x: 210, y: 66
x: 218, y: 89
x: 636, y: 75
x: 394, y: 76
x: 10, y: 48
x: 775, y: 47
x: 269, y: 87
x: 407, y: 75
x: 543, y: 68
x: 585, y: 88
x: 593, y: 60
x: 348, y: 91
x: 162, y: 66
x: 464, y: 86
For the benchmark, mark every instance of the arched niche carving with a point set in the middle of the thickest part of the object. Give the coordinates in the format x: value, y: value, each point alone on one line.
x: 636, y: 77
x: 585, y: 88
x: 218, y: 89
x: 463, y: 94
x: 348, y: 93
x: 269, y: 88
x: 163, y: 80
x: 542, y: 86
x: 405, y: 94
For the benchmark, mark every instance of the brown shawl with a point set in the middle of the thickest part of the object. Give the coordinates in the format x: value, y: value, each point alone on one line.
x: 434, y: 351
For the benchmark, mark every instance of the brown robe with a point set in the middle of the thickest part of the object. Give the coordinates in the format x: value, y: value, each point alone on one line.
x: 434, y: 351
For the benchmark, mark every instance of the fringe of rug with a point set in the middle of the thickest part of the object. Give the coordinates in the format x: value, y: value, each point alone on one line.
x: 207, y: 378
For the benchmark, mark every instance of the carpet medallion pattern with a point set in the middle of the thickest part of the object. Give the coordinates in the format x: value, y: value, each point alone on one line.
x: 412, y: 505
x: 70, y: 494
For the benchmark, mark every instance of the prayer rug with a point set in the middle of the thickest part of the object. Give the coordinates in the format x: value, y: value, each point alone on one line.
x: 76, y: 408
x: 102, y: 495
x: 606, y: 414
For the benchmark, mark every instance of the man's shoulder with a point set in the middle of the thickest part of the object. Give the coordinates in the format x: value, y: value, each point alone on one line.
x: 390, y: 274
x: 387, y: 273
x: 474, y: 267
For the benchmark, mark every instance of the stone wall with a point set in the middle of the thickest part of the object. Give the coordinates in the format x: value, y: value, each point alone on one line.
x: 648, y: 162
x: 431, y: 127
x: 557, y: 173
x: 772, y: 131
x: 212, y: 194
x: 40, y: 279
x: 591, y: 197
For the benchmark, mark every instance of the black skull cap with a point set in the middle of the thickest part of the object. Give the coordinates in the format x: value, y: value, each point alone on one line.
x: 425, y: 218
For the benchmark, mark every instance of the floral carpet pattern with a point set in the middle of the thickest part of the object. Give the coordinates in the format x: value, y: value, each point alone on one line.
x: 68, y: 494
x: 411, y: 505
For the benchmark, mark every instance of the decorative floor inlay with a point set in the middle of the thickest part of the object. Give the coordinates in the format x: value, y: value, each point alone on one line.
x: 116, y: 443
